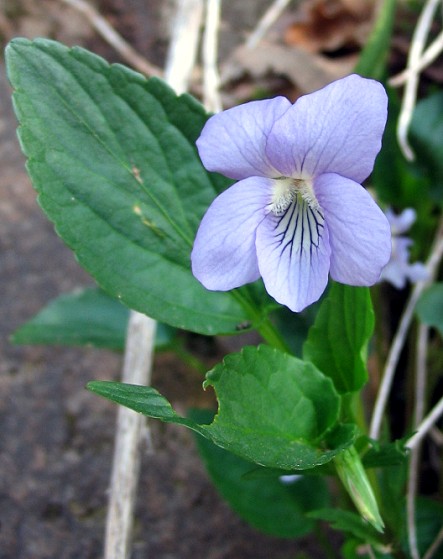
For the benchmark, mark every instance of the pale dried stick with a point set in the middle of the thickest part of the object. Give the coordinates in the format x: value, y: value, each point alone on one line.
x: 400, y: 336
x: 126, y: 463
x: 428, y: 57
x: 184, y: 43
x: 426, y: 425
x: 435, y: 545
x: 419, y: 412
x: 420, y: 35
x: 110, y: 35
x: 269, y: 18
x: 436, y: 435
x: 139, y: 351
x: 211, y: 77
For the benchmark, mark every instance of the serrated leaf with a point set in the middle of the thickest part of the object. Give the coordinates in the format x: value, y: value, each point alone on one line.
x: 267, y: 504
x: 430, y: 307
x: 87, y: 317
x: 274, y: 410
x: 337, y: 342
x: 113, y: 159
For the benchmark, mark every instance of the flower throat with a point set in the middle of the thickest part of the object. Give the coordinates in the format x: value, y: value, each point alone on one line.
x: 286, y: 190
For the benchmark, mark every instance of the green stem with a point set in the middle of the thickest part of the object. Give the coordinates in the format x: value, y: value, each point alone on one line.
x: 189, y: 359
x: 262, y: 323
x: 324, y: 542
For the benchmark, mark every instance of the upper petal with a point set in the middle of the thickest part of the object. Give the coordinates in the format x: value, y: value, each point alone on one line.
x: 293, y: 255
x: 359, y: 232
x: 224, y: 254
x: 233, y: 142
x: 337, y: 129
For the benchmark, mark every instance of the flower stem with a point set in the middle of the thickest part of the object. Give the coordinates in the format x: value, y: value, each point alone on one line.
x: 261, y: 322
x: 324, y: 542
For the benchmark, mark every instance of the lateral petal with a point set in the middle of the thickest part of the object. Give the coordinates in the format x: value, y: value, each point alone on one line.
x: 233, y: 142
x: 224, y: 253
x: 337, y: 129
x: 359, y: 232
x: 293, y: 255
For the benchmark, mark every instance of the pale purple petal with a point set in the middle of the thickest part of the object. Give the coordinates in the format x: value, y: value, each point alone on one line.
x: 398, y: 270
x: 394, y: 274
x: 337, y: 129
x: 293, y: 255
x: 402, y: 222
x: 417, y: 272
x: 359, y: 232
x: 224, y: 254
x: 233, y: 142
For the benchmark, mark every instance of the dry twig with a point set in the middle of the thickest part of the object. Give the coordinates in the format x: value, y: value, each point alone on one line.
x: 269, y: 18
x: 419, y: 411
x: 116, y: 41
x: 126, y: 463
x: 184, y: 42
x: 141, y: 332
x: 211, y: 77
x: 433, y: 261
x: 410, y: 94
x: 427, y: 424
x: 428, y: 57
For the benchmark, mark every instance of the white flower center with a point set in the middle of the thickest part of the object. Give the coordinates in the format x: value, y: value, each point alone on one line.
x: 298, y: 219
x: 286, y: 190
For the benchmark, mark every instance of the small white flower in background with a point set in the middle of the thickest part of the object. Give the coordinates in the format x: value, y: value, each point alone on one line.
x: 398, y: 270
x: 290, y: 479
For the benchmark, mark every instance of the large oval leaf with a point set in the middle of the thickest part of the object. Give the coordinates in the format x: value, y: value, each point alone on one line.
x: 113, y: 159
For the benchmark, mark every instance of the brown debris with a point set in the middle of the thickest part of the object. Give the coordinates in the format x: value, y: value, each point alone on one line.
x: 330, y: 25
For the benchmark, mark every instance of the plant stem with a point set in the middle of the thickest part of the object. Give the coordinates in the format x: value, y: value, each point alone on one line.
x: 262, y: 323
x: 189, y: 359
x: 324, y: 542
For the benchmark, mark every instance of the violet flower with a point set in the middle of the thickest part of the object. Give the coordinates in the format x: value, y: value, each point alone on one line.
x: 398, y: 270
x: 298, y: 211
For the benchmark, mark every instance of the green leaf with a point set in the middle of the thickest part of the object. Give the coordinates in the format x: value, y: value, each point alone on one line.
x: 274, y: 409
x: 87, y: 317
x: 383, y: 455
x: 271, y: 400
x: 142, y: 399
x: 267, y: 504
x: 426, y: 133
x: 429, y: 522
x: 294, y: 327
x: 430, y: 307
x: 113, y: 159
x: 395, y: 179
x: 373, y: 59
x: 348, y: 522
x: 337, y: 342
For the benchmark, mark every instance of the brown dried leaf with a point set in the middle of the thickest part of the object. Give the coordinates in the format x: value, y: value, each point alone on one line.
x: 305, y: 70
x: 330, y: 25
